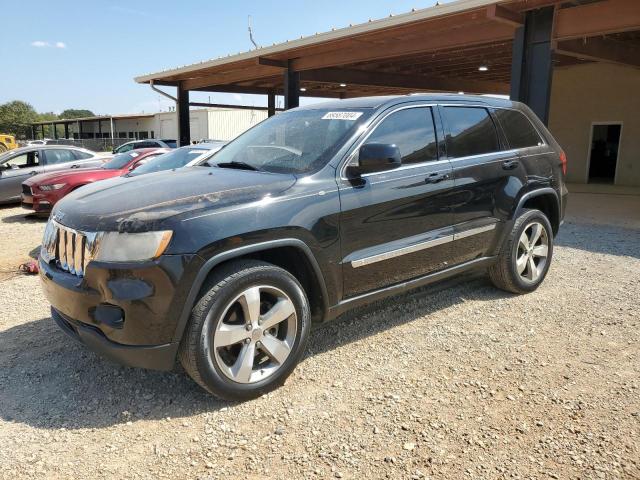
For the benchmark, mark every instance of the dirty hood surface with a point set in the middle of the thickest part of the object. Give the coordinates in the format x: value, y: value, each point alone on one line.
x: 147, y: 202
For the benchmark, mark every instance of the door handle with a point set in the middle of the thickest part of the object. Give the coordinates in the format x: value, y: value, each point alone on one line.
x: 510, y: 164
x: 74, y: 166
x: 436, y: 177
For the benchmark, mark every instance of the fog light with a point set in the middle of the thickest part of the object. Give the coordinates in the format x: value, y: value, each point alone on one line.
x: 109, y: 315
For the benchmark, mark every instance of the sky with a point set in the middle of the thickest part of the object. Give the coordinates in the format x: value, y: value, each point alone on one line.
x: 85, y: 54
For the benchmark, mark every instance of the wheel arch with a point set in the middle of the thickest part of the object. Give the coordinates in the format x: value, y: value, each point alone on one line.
x: 292, y: 254
x: 544, y: 199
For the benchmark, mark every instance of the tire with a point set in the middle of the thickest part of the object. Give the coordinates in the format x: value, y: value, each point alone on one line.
x: 521, y: 267
x: 218, y: 337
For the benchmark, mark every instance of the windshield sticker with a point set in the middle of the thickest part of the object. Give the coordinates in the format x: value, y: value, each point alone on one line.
x: 351, y: 116
x: 198, y: 152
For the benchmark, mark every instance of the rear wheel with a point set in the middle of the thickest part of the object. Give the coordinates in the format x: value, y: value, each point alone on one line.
x: 247, y: 332
x: 526, y: 254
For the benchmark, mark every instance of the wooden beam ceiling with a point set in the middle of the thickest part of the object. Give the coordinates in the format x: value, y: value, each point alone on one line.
x: 601, y: 18
x: 601, y: 49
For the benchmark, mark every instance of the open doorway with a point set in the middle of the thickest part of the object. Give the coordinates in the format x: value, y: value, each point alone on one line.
x: 603, y: 156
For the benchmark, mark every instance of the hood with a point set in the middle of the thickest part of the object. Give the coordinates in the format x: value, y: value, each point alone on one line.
x: 64, y: 176
x: 147, y: 202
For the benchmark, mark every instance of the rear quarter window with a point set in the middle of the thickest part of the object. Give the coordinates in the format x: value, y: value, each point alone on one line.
x: 518, y: 129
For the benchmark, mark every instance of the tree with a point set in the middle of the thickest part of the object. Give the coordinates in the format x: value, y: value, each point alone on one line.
x: 16, y: 117
x: 74, y: 113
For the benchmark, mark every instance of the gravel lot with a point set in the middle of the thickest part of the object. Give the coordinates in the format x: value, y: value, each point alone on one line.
x: 462, y: 382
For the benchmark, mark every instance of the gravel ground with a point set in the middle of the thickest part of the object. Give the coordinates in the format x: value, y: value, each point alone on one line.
x: 458, y: 382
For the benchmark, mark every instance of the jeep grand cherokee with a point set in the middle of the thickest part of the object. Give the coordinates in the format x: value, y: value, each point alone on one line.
x: 225, y: 266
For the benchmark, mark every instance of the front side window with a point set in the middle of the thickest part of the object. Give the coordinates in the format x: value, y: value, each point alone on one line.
x: 293, y: 142
x: 124, y: 148
x: 120, y: 160
x: 82, y: 155
x: 471, y: 132
x: 518, y: 129
x: 412, y: 130
x: 55, y: 157
x: 24, y: 160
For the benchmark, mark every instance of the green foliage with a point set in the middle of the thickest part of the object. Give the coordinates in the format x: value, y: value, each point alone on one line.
x: 15, y: 118
x: 73, y: 113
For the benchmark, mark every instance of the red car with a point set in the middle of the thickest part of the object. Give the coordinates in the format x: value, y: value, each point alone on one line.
x: 41, y: 192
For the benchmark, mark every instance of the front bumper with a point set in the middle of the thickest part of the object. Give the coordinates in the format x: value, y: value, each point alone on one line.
x: 126, y: 312
x: 155, y: 357
x: 38, y: 205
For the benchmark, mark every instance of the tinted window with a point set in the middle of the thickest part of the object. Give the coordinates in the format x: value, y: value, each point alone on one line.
x: 171, y: 143
x: 412, y: 131
x: 471, y: 132
x: 55, y: 157
x: 121, y: 160
x: 175, y: 159
x: 518, y: 129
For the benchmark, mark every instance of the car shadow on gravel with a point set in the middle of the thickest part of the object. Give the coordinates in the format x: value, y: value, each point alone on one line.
x: 25, y: 218
x: 48, y: 381
x: 606, y: 239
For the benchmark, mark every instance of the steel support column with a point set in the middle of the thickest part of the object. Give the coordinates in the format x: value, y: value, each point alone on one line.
x: 531, y: 64
x: 291, y: 89
x: 42, y: 128
x: 55, y: 130
x: 66, y: 130
x: 99, y: 128
x: 184, y: 130
x: 271, y: 103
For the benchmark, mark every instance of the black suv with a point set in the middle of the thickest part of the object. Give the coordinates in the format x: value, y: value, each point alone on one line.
x: 227, y: 265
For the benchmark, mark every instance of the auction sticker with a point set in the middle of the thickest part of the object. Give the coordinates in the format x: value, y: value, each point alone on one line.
x: 342, y: 116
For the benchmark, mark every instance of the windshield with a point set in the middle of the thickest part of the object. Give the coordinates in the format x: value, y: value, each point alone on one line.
x: 121, y: 160
x: 174, y: 159
x: 296, y: 142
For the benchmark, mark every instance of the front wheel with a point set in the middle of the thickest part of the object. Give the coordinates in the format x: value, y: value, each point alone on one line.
x: 526, y: 254
x: 247, y: 332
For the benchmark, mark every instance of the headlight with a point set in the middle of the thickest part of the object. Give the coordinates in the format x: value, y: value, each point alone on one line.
x: 130, y: 247
x: 55, y: 186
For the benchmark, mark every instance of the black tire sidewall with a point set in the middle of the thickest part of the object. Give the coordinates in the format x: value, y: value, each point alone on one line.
x: 523, y: 222
x: 208, y: 369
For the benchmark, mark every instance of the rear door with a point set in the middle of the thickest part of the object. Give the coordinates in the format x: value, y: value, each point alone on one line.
x: 397, y: 225
x: 14, y: 170
x: 486, y: 174
x: 59, y: 159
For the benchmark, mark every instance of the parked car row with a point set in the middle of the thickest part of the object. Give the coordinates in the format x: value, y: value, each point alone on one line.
x: 225, y: 265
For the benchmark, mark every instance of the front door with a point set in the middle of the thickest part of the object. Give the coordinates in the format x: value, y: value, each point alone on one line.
x: 14, y: 170
x: 397, y: 225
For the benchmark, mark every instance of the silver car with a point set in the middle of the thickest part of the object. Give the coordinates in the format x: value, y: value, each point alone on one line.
x: 19, y: 164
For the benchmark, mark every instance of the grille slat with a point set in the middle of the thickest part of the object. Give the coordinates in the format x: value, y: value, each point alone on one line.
x: 71, y: 250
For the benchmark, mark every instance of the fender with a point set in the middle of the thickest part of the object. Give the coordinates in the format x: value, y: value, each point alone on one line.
x: 212, y: 262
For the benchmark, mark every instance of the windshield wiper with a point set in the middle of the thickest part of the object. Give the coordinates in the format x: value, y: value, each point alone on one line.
x: 238, y: 165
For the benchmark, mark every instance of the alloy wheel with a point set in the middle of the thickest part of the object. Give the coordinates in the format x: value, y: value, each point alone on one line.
x: 255, y: 334
x: 532, y: 253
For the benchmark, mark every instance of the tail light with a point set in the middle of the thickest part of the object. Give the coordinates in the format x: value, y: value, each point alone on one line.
x: 563, y: 162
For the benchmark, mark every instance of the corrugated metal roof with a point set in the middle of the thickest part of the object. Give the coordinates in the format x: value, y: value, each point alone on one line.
x: 437, y: 10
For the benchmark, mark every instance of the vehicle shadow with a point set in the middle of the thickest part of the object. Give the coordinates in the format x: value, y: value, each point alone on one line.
x: 49, y: 381
x: 606, y: 239
x: 24, y: 218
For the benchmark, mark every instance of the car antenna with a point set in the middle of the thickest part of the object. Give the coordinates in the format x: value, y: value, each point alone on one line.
x: 251, y: 34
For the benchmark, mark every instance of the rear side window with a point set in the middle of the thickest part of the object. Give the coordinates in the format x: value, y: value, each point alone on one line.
x: 56, y: 156
x: 518, y: 129
x: 471, y: 132
x: 412, y: 131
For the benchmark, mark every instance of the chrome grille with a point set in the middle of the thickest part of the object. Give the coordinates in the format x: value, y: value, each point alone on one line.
x: 70, y: 249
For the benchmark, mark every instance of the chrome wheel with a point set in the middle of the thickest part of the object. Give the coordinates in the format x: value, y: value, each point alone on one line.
x: 533, y: 250
x: 255, y: 334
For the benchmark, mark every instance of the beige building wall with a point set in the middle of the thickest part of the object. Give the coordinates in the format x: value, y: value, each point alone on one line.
x: 597, y: 93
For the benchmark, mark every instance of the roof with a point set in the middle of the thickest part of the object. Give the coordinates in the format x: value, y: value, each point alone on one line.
x: 379, y: 101
x: 440, y: 48
x: 96, y: 118
x: 335, y: 34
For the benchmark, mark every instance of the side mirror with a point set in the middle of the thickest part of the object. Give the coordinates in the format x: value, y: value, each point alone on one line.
x: 376, y: 157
